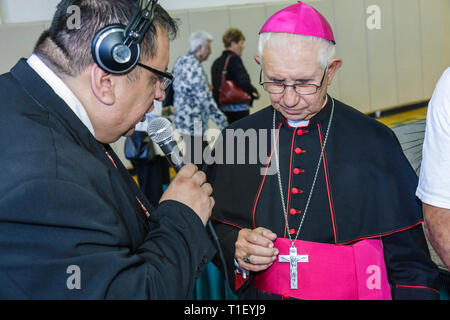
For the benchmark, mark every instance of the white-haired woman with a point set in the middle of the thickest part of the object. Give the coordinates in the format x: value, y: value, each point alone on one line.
x: 193, y: 102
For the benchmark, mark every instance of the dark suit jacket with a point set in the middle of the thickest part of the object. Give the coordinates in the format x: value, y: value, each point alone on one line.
x: 71, y: 224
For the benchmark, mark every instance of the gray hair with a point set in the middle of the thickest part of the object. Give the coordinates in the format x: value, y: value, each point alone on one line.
x: 67, y: 50
x: 200, y: 38
x: 327, y: 49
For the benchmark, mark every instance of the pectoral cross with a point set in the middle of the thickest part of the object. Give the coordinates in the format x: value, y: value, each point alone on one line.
x: 293, y: 259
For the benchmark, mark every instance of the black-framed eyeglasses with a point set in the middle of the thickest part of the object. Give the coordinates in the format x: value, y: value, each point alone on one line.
x: 164, y: 78
x: 276, y: 87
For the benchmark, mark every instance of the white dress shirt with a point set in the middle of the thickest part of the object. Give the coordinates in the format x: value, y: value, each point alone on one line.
x: 434, y: 180
x: 61, y: 89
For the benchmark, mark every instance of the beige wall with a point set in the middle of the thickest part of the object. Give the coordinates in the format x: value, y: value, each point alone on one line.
x: 397, y: 64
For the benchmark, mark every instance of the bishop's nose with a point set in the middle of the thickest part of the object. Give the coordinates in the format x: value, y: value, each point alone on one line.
x: 290, y: 98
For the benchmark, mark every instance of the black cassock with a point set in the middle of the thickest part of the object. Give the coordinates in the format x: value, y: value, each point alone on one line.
x: 365, y: 189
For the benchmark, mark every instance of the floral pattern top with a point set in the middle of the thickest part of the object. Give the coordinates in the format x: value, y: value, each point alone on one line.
x: 193, y: 103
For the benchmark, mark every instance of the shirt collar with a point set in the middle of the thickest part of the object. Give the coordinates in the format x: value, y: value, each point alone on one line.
x: 61, y: 89
x: 298, y: 123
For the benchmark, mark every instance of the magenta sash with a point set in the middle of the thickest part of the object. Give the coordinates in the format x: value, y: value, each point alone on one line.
x: 333, y: 272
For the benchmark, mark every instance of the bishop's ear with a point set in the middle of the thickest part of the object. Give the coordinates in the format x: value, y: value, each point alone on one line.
x: 333, y: 67
x: 103, y: 85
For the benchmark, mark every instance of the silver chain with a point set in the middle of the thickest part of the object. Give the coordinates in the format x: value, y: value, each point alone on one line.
x: 314, y: 180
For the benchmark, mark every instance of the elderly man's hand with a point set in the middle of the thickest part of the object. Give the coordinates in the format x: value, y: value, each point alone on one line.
x: 256, y: 246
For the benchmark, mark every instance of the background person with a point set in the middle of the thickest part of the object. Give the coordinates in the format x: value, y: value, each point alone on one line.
x: 234, y: 43
x: 193, y: 103
x: 434, y: 180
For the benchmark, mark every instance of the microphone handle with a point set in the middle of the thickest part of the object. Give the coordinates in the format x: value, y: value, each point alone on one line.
x: 171, y: 151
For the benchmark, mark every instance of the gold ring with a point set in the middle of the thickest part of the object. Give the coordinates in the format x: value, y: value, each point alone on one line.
x: 247, y: 258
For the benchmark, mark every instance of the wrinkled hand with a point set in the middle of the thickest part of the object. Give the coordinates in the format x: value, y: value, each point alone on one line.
x: 190, y: 188
x: 258, y: 243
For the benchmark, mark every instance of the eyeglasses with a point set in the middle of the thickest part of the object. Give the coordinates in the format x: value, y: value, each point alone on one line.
x: 276, y: 87
x: 164, y: 78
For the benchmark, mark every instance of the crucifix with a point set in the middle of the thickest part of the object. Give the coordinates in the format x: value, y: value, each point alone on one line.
x: 293, y: 259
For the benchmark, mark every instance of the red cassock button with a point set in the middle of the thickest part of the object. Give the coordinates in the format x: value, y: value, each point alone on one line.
x: 293, y: 211
x: 302, y: 132
x: 299, y: 150
x: 295, y: 191
x: 298, y: 171
x: 292, y: 231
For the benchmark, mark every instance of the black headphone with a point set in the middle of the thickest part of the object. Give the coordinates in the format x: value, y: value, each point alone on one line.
x: 116, y: 48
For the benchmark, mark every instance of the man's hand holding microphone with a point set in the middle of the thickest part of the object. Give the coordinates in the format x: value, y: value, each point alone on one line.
x: 190, y: 188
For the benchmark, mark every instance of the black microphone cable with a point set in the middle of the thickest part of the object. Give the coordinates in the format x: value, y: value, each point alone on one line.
x: 222, y: 259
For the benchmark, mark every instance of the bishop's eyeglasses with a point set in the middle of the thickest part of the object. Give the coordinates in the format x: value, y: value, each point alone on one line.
x: 164, y: 78
x: 277, y: 87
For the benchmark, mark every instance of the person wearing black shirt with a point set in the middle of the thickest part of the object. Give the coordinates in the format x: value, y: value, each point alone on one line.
x: 233, y: 40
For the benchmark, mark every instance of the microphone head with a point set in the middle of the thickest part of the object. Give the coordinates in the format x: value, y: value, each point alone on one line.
x: 159, y: 129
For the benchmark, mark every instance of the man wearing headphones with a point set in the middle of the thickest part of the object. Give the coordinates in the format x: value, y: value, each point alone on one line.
x: 73, y: 224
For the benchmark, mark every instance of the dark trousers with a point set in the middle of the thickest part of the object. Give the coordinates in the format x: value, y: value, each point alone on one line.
x: 236, y: 115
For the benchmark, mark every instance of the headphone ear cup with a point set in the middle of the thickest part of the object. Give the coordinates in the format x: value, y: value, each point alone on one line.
x: 110, y: 53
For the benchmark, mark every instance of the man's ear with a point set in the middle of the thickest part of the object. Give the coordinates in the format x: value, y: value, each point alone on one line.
x: 103, y: 85
x: 333, y: 67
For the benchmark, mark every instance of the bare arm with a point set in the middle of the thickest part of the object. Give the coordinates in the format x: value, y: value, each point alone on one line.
x: 437, y: 228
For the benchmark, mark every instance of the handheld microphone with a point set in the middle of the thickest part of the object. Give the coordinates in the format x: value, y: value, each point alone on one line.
x: 160, y: 131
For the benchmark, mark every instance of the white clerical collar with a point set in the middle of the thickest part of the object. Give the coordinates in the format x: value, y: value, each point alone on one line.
x: 298, y: 123
x: 304, y: 123
x: 61, y: 89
